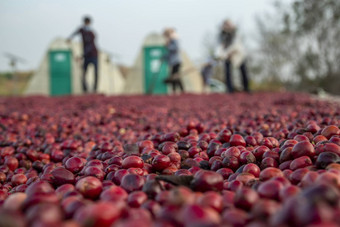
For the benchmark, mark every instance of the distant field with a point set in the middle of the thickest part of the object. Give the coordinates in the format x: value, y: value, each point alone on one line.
x: 10, y: 85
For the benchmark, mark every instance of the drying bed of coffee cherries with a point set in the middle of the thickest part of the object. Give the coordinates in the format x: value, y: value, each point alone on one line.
x: 266, y: 159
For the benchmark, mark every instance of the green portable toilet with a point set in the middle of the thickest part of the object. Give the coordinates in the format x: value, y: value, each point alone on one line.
x: 146, y: 66
x: 60, y: 72
x: 155, y: 70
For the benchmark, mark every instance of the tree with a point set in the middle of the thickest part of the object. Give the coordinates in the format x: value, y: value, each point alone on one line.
x: 299, y: 45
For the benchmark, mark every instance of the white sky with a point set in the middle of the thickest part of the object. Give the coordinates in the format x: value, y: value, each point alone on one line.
x: 28, y: 26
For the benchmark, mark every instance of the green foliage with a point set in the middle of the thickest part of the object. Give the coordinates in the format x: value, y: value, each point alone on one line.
x: 6, y: 76
x: 299, y: 44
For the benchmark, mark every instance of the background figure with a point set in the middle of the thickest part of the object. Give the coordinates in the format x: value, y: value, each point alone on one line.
x: 232, y: 52
x: 206, y: 72
x: 173, y: 59
x: 90, y: 53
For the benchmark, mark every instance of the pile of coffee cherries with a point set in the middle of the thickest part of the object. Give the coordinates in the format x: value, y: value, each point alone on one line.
x: 265, y: 159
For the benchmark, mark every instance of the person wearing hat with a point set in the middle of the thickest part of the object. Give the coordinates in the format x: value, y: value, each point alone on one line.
x: 90, y: 53
x: 231, y: 50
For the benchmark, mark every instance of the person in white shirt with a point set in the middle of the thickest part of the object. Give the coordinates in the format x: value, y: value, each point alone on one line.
x: 231, y: 50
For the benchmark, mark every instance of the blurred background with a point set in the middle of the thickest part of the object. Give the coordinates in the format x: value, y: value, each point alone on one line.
x: 291, y: 44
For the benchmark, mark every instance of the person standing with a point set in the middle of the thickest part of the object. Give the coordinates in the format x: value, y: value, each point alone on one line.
x: 173, y: 59
x: 90, y: 53
x: 232, y: 52
x: 206, y: 73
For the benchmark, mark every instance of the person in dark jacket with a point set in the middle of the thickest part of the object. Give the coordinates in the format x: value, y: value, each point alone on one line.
x: 173, y: 58
x: 206, y: 73
x: 90, y: 53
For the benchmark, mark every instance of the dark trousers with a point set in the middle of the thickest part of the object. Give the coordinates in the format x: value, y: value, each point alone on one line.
x: 94, y: 62
x: 176, y: 82
x: 229, y: 80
